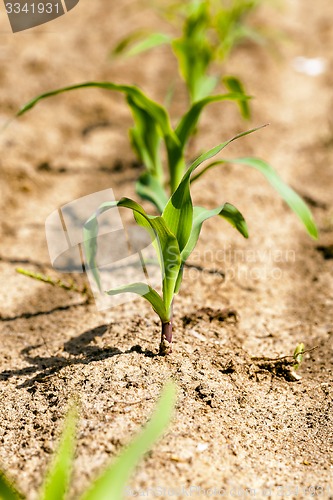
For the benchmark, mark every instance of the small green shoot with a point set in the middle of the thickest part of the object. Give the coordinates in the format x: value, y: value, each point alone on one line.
x: 111, y: 483
x: 298, y: 355
x: 69, y: 286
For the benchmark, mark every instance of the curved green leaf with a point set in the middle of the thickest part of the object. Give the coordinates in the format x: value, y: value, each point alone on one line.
x: 235, y: 85
x: 57, y: 480
x: 157, y: 114
x: 178, y: 213
x: 189, y: 121
x: 200, y: 215
x: 123, y: 45
x: 151, y: 107
x: 150, y: 41
x: 112, y: 482
x: 295, y: 202
x: 148, y: 293
x: 7, y: 489
x: 292, y: 199
x: 164, y: 242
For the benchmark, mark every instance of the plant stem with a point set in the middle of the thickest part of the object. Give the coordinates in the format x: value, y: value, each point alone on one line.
x: 166, y: 338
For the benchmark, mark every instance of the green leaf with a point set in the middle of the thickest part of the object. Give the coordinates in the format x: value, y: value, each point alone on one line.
x: 292, y: 199
x: 298, y: 355
x: 57, y: 480
x: 148, y: 293
x: 7, y: 489
x: 158, y: 117
x: 194, y: 51
x: 164, y: 242
x: 194, y: 57
x: 200, y: 215
x: 154, y: 109
x: 235, y: 85
x: 150, y: 41
x: 146, y: 138
x: 178, y: 213
x: 112, y: 482
x: 149, y: 188
x: 122, y: 46
x: 189, y: 121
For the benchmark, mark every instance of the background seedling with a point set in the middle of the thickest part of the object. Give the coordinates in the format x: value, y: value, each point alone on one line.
x: 210, y: 30
x: 298, y: 355
x: 111, y: 483
x: 284, y: 366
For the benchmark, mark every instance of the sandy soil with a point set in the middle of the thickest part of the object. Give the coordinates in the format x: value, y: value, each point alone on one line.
x: 239, y: 428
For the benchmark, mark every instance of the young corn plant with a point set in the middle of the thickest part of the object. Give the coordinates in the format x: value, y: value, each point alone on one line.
x: 210, y: 31
x: 111, y: 483
x: 152, y: 127
x: 176, y: 231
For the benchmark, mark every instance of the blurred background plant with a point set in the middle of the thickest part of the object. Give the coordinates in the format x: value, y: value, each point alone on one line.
x: 210, y: 30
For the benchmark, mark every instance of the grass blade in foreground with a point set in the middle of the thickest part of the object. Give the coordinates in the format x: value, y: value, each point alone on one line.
x: 111, y: 483
x: 57, y: 479
x: 7, y: 490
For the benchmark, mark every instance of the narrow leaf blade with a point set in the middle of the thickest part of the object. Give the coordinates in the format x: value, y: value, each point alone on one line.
x: 148, y: 293
x: 235, y: 85
x: 7, y: 489
x: 178, y: 213
x: 295, y: 202
x: 189, y: 121
x: 226, y: 211
x: 150, y: 41
x: 57, y: 480
x: 113, y: 481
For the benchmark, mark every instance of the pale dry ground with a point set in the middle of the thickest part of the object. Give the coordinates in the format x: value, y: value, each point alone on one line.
x: 232, y: 428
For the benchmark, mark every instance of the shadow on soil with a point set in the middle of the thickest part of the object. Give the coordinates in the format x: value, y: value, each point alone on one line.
x: 78, y: 347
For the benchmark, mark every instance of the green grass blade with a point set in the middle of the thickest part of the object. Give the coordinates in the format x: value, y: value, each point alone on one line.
x: 7, y: 489
x: 200, y: 215
x: 235, y: 85
x: 124, y: 45
x: 57, y: 480
x: 295, y: 202
x: 150, y: 41
x: 147, y: 293
x: 292, y: 199
x: 189, y: 121
x: 163, y: 240
x: 111, y: 484
x: 149, y: 188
